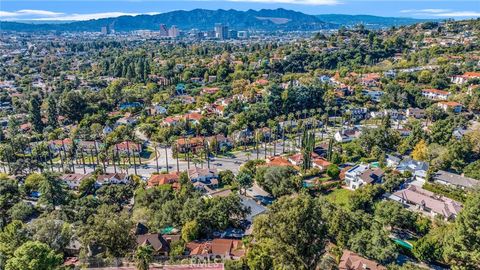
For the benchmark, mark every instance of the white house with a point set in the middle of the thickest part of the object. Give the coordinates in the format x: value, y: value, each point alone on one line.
x: 360, y: 175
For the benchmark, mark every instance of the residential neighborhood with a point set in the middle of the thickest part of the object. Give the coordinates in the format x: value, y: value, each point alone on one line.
x: 348, y: 148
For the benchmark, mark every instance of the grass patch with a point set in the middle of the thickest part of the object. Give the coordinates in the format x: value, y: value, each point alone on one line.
x: 339, y: 196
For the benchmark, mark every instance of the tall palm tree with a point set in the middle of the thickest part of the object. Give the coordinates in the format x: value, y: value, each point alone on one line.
x: 113, y: 161
x: 156, y: 155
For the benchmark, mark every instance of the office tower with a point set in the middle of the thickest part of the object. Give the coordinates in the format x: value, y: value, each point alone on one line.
x: 221, y: 31
x: 173, y: 32
x: 104, y: 30
x: 233, y: 34
x: 163, y: 30
x: 242, y: 34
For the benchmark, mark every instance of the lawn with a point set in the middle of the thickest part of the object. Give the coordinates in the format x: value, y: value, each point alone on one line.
x: 339, y: 196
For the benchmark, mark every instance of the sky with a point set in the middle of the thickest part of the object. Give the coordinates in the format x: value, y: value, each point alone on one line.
x: 68, y: 10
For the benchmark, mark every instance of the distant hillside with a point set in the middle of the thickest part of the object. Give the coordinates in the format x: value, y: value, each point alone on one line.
x: 265, y: 19
x: 368, y: 20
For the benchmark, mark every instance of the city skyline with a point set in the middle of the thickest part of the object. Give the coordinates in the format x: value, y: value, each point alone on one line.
x: 62, y: 10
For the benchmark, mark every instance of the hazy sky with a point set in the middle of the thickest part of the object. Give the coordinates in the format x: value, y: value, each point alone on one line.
x: 91, y: 9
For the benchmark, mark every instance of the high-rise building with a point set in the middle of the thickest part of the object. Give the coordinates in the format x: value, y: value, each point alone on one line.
x: 104, y: 30
x: 163, y: 30
x: 107, y: 29
x: 233, y: 34
x: 173, y: 32
x: 221, y: 31
x: 242, y: 34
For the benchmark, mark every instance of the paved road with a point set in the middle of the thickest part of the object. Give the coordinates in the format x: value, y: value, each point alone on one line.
x: 232, y: 162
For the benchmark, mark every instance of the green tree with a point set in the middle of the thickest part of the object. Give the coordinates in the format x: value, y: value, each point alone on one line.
x: 53, y: 232
x: 87, y: 186
x: 9, y: 196
x: 244, y: 180
x: 190, y: 231
x: 11, y: 237
x: 280, y: 181
x: 21, y: 211
x: 291, y: 235
x: 144, y: 256
x: 35, y: 114
x: 226, y: 177
x: 53, y: 192
x: 73, y: 105
x: 333, y: 171
x: 110, y: 230
x: 52, y: 112
x: 463, y: 251
x: 374, y: 243
x: 34, y: 255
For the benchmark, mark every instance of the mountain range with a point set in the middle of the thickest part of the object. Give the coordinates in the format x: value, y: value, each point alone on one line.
x: 202, y: 19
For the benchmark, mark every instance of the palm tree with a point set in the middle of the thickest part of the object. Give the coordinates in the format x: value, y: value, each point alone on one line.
x: 113, y: 161
x: 156, y: 155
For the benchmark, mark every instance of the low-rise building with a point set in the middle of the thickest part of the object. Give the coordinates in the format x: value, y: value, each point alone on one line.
x: 455, y: 180
x: 435, y: 94
x: 353, y: 261
x: 450, y: 106
x: 224, y: 248
x: 361, y: 174
x: 427, y: 202
x: 164, y: 179
x: 418, y: 169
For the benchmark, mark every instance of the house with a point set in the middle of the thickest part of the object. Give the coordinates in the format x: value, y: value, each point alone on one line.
x: 435, y: 94
x: 184, y: 145
x: 353, y: 261
x: 164, y: 179
x: 220, y: 141
x: 321, y: 163
x: 358, y: 113
x: 244, y: 135
x: 374, y: 95
x: 427, y: 201
x: 159, y: 243
x: 88, y: 146
x: 455, y: 180
x: 450, y: 106
x: 203, y: 179
x: 418, y: 169
x: 158, y: 110
x: 461, y: 79
x: 127, y: 120
x: 346, y: 135
x: 277, y: 161
x: 392, y: 161
x: 416, y: 113
x: 459, y: 132
x: 224, y: 248
x: 255, y: 207
x: 210, y: 90
x: 60, y: 145
x: 107, y: 130
x: 370, y: 79
x: 73, y: 180
x: 297, y: 159
x: 193, y: 117
x: 112, y: 178
x: 360, y: 175
x: 128, y: 147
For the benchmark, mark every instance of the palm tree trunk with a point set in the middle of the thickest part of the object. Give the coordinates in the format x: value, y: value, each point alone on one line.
x: 156, y: 157
x: 166, y: 157
x: 83, y: 161
x: 113, y: 161
x: 178, y: 167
